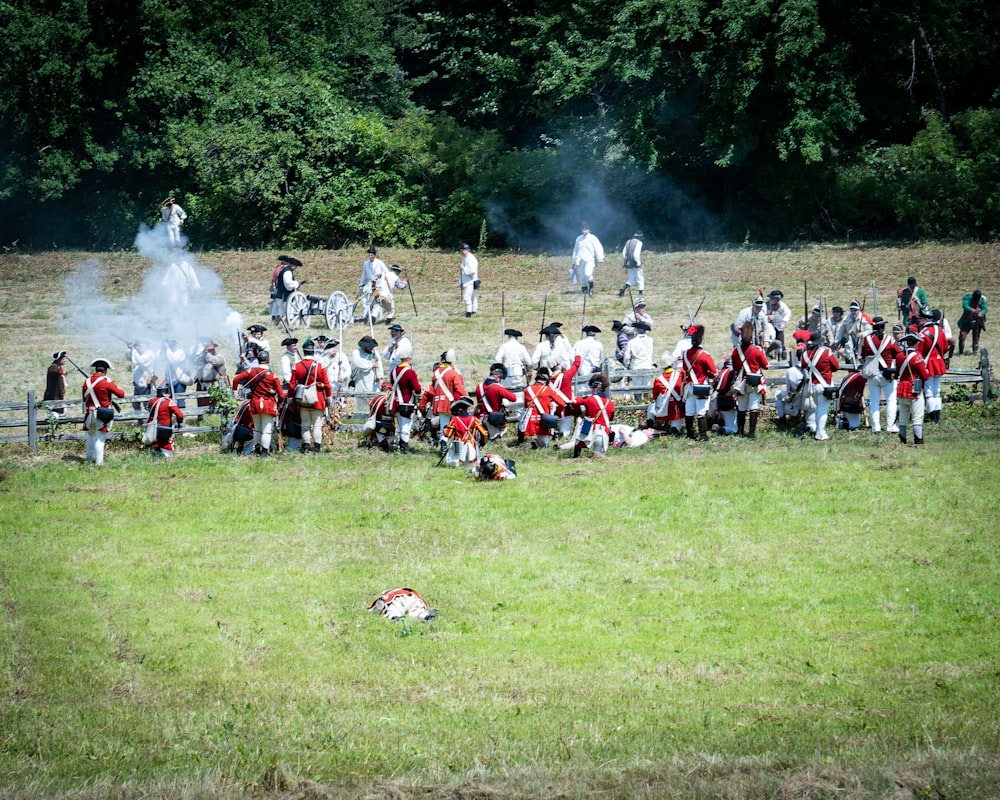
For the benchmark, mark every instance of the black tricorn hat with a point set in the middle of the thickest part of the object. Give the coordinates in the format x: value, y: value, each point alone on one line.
x: 512, y: 332
x: 591, y: 329
x: 367, y: 341
x: 639, y: 325
x: 293, y: 262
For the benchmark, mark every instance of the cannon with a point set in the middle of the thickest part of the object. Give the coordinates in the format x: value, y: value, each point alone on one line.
x: 336, y: 309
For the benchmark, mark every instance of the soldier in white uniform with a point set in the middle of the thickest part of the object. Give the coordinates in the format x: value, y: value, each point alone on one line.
x: 755, y: 314
x: 553, y: 350
x: 289, y: 358
x: 399, y: 347
x: 632, y: 262
x: 639, y: 353
x: 638, y: 313
x: 173, y: 215
x: 588, y: 252
x: 591, y: 353
x: 469, y: 280
x: 514, y: 356
x: 143, y: 360
x: 366, y: 366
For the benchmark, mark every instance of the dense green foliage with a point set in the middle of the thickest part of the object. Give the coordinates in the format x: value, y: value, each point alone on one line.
x: 337, y: 121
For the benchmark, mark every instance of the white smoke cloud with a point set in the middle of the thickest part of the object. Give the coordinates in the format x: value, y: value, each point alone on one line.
x: 180, y: 299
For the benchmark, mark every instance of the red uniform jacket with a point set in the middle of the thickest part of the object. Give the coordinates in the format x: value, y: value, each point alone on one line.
x: 671, y: 384
x: 562, y: 382
x: 819, y: 364
x: 447, y: 385
x: 308, y: 372
x: 756, y: 361
x: 932, y: 346
x: 910, y: 366
x: 163, y: 410
x: 597, y: 408
x: 539, y: 398
x: 883, y: 346
x: 265, y: 390
x: 490, y: 396
x: 465, y: 428
x: 104, y: 389
x: 724, y: 387
x: 405, y: 386
x: 699, y: 367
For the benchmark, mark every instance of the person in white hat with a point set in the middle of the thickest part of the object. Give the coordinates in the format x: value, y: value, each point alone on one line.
x: 174, y: 216
x: 99, y: 393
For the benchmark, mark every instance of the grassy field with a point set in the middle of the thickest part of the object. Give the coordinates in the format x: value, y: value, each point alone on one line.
x: 777, y: 618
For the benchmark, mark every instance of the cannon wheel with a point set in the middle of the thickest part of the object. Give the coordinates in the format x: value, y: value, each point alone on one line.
x: 297, y: 310
x: 338, y: 311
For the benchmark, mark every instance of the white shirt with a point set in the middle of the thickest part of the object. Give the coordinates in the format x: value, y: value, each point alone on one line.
x: 373, y: 269
x: 470, y: 269
x: 587, y: 250
x: 550, y: 354
x: 173, y: 215
x: 591, y: 354
x: 636, y: 244
x: 639, y: 353
x: 780, y: 316
x: 514, y: 356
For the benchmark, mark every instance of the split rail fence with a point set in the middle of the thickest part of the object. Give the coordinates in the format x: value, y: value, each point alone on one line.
x: 31, y: 421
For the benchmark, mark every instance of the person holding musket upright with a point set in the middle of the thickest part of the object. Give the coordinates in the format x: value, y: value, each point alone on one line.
x: 265, y: 392
x: 55, y: 382
x: 99, y: 393
x: 878, y: 355
x: 818, y: 365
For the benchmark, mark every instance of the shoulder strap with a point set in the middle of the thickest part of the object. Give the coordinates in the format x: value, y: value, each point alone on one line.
x: 90, y: 389
x: 484, y: 399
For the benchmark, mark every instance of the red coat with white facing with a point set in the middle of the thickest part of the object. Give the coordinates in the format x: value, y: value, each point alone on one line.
x: 819, y: 364
x: 308, y: 372
x: 493, y: 394
x: 671, y: 384
x: 910, y: 366
x: 447, y: 384
x: 699, y: 367
x: 265, y: 390
x: 104, y: 388
x: 600, y: 409
x: 406, y: 389
x: 540, y: 399
x: 932, y: 346
x: 756, y: 361
x: 879, y: 343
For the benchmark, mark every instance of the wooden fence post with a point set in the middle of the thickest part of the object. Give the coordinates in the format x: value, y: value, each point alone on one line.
x: 984, y: 370
x: 32, y: 421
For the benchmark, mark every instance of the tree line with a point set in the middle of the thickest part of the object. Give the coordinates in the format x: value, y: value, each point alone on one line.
x: 321, y: 124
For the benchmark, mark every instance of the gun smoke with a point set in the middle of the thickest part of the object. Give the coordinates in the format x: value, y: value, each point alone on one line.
x: 180, y: 300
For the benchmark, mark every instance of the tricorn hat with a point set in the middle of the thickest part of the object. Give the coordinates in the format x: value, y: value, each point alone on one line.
x: 498, y: 368
x: 512, y: 332
x: 59, y: 355
x: 101, y: 363
x: 256, y: 328
x: 460, y: 403
x: 878, y: 322
x: 367, y: 342
x: 639, y: 325
x: 289, y: 341
x: 292, y: 262
x: 550, y: 330
x: 396, y: 268
x: 395, y: 327
x: 591, y: 329
x: 776, y: 293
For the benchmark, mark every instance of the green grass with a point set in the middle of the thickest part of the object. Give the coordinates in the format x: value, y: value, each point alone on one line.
x: 799, y: 605
x: 776, y: 619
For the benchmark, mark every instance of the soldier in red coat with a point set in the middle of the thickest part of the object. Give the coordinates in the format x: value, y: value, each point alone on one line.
x: 699, y: 372
x: 491, y: 398
x: 312, y: 398
x: 561, y: 382
x: 405, y: 394
x: 667, y: 408
x: 818, y: 364
x: 99, y: 393
x: 749, y: 363
x: 932, y: 347
x: 265, y: 392
x: 164, y: 411
x: 913, y: 373
x: 541, y: 405
x: 596, y: 411
x: 878, y: 356
x: 447, y: 385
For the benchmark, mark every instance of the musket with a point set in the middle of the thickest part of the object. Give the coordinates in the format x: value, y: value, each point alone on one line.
x: 583, y: 318
x: 690, y: 315
x: 805, y: 301
x: 410, y: 290
x: 79, y: 369
x: 126, y: 342
x: 288, y: 331
x: 545, y: 305
x: 700, y: 304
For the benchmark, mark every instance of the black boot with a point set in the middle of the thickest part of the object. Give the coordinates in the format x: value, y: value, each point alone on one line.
x: 702, y: 429
x: 689, y: 427
x: 754, y: 415
x: 621, y: 292
x: 404, y: 448
x: 590, y: 288
x: 961, y: 344
x: 741, y: 423
x: 918, y: 440
x: 577, y: 449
